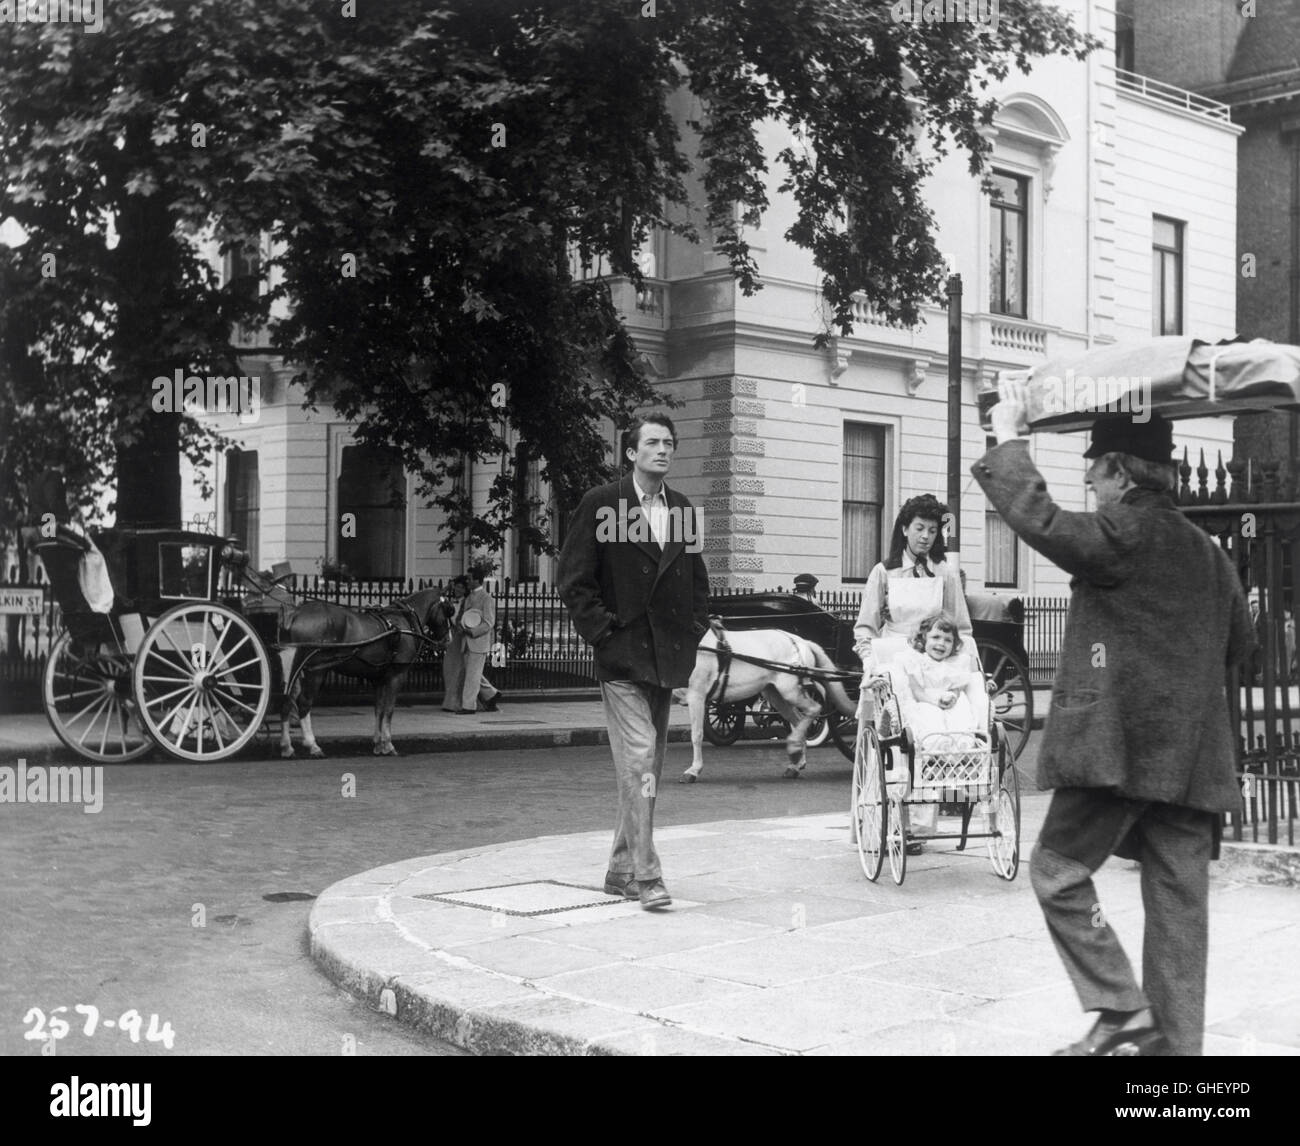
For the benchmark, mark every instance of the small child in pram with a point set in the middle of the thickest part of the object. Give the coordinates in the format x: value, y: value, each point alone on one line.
x: 938, y: 680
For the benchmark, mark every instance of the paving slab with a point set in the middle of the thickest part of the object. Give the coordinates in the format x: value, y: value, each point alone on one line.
x: 775, y: 944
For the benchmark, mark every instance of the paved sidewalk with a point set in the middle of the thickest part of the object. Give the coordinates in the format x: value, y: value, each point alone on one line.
x: 775, y: 944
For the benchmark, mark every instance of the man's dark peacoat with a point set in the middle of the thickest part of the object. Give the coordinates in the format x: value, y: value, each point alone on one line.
x: 1157, y: 613
x: 643, y: 609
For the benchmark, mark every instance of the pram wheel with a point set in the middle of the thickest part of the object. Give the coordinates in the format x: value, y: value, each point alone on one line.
x: 870, y: 802
x: 1004, y: 843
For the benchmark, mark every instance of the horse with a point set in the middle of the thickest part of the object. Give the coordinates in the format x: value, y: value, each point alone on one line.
x: 796, y: 698
x: 379, y: 646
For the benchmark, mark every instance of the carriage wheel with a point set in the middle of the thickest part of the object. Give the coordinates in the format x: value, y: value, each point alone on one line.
x: 870, y: 803
x: 723, y: 723
x: 1004, y: 843
x: 896, y: 833
x: 202, y: 681
x: 89, y: 705
x: 819, y: 731
x: 844, y: 731
x: 1013, y: 698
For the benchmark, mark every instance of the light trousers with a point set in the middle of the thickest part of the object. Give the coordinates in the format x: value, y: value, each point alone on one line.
x: 637, y: 715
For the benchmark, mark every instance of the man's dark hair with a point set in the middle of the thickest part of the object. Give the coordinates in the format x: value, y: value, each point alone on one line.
x: 927, y: 507
x: 632, y: 435
x: 461, y: 580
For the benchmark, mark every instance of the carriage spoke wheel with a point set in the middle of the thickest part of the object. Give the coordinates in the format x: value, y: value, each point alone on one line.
x: 844, y: 731
x: 869, y: 802
x: 1004, y: 843
x: 819, y: 731
x: 202, y: 681
x: 89, y: 705
x: 1013, y: 697
x: 723, y: 723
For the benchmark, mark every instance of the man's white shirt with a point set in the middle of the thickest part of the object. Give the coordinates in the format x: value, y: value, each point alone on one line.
x: 655, y: 508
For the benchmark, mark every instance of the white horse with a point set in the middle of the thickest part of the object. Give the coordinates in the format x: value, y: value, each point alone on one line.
x: 798, y: 699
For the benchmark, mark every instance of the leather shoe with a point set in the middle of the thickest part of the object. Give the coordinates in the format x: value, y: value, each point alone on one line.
x: 465, y: 712
x: 491, y: 705
x: 624, y: 885
x: 1121, y: 1034
x: 653, y: 895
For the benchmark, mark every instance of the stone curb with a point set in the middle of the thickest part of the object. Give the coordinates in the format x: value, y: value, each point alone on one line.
x: 1271, y: 864
x: 484, y: 1012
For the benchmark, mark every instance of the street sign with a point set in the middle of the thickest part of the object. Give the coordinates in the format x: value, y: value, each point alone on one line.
x: 21, y: 602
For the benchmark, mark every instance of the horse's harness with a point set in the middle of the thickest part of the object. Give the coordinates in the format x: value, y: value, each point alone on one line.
x: 726, y: 654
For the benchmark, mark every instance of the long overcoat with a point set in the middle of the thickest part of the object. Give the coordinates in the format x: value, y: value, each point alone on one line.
x: 1157, y: 614
x: 642, y: 608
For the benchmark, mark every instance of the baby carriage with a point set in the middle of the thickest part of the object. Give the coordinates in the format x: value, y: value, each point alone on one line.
x: 973, y: 768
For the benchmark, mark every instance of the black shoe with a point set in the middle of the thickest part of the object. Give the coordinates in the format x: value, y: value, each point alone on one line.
x: 624, y: 885
x: 491, y: 705
x: 1119, y: 1034
x: 466, y: 712
x: 653, y: 894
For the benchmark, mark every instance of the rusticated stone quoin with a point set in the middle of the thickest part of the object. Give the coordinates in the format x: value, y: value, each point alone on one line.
x: 730, y: 505
x: 730, y: 543
x: 730, y: 464
x: 750, y: 446
x: 730, y: 426
x: 735, y: 561
x: 743, y: 407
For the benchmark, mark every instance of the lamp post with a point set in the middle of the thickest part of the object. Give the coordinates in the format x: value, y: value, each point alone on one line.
x: 954, y: 410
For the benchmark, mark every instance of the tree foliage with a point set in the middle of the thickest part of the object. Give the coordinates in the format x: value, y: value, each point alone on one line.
x: 426, y: 175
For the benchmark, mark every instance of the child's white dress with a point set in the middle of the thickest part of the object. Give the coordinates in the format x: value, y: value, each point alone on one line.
x: 924, y: 672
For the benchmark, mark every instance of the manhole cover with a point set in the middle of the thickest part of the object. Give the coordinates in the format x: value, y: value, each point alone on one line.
x: 288, y: 896
x: 540, y: 897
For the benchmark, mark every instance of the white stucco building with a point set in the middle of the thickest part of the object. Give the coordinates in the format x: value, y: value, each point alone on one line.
x: 1115, y: 219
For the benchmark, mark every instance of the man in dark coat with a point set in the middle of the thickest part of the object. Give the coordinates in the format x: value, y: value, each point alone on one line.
x: 637, y: 589
x: 1138, y: 746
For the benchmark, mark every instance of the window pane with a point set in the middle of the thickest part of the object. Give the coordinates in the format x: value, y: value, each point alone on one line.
x: 1008, y: 189
x: 372, y: 512
x: 997, y: 300
x: 1165, y: 232
x: 243, y: 500
x: 864, y: 486
x: 999, y: 551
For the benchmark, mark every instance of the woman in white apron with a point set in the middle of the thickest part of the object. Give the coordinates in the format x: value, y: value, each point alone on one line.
x: 916, y: 580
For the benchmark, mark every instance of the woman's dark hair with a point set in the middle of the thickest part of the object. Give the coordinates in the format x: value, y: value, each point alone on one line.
x: 942, y: 622
x: 928, y: 508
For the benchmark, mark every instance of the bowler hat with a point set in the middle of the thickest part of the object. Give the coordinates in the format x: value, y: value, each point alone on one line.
x: 1152, y: 440
x: 805, y: 581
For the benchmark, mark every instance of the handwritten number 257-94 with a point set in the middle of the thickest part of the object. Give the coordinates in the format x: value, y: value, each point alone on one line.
x: 129, y: 1021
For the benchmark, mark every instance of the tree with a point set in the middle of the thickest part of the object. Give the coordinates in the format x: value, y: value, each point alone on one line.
x: 427, y: 175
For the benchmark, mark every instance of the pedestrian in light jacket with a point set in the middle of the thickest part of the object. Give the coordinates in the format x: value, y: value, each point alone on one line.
x: 478, y: 644
x: 1138, y: 748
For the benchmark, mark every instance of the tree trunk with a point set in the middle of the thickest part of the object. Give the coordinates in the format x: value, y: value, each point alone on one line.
x: 149, y: 269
